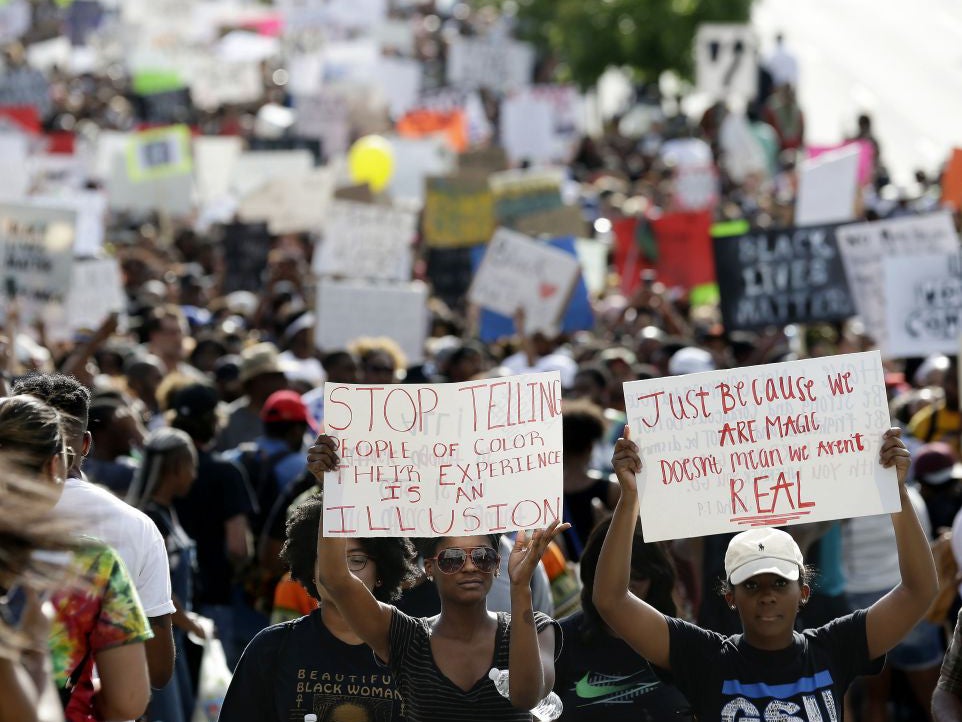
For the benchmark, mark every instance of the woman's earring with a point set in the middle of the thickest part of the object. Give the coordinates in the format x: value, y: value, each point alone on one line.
x: 430, y: 578
x: 732, y: 607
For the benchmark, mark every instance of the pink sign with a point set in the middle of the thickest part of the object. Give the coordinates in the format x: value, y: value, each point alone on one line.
x: 866, y: 156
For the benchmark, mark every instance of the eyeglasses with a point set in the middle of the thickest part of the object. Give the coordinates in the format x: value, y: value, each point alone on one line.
x: 357, y: 561
x: 452, y: 559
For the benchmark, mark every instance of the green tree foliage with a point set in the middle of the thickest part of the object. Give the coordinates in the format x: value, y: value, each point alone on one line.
x: 649, y: 36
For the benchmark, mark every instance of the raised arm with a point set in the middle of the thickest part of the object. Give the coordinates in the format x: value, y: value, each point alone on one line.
x: 642, y: 626
x: 369, y: 618
x: 894, y: 615
x: 530, y: 653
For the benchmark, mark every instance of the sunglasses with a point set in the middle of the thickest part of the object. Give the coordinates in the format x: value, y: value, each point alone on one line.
x: 453, y: 559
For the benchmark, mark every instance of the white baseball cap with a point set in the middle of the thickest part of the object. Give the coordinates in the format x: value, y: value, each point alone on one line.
x: 762, y: 551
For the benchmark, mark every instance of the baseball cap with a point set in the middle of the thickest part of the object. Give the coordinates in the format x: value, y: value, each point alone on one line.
x: 762, y: 551
x: 690, y: 360
x: 195, y: 400
x: 286, y: 405
x: 937, y: 464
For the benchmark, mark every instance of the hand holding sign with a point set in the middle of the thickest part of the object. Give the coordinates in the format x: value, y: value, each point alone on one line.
x: 894, y: 453
x: 322, y: 457
x: 626, y: 463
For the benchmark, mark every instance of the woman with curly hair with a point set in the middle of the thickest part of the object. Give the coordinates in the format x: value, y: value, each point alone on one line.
x: 317, y: 664
x: 441, y: 663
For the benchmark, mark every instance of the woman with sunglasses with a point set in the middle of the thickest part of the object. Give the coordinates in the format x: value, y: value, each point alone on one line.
x: 318, y: 664
x: 441, y: 664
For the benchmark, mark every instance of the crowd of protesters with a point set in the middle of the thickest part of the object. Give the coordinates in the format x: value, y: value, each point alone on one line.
x: 165, y: 464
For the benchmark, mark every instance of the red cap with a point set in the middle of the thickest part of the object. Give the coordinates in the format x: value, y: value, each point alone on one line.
x: 286, y: 406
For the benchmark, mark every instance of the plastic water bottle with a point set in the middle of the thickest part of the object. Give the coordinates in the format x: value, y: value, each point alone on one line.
x: 546, y: 710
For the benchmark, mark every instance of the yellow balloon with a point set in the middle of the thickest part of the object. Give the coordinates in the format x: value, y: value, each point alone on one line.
x: 371, y: 161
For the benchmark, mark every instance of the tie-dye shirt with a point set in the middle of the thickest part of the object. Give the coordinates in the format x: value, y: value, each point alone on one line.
x: 104, y: 611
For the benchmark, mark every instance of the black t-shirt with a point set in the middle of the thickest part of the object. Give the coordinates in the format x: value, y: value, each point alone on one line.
x: 429, y: 696
x: 605, y: 679
x: 219, y: 493
x: 726, y: 678
x: 298, y: 668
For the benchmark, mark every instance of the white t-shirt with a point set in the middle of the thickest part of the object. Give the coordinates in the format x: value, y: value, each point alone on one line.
x: 99, y: 514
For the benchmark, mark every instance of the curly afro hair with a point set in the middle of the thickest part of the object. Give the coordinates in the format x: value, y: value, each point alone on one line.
x: 395, y: 557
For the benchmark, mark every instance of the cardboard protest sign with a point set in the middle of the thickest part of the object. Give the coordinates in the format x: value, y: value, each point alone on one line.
x: 519, y: 272
x: 519, y: 193
x: 577, y: 316
x: 772, y: 278
x: 450, y: 271
x: 923, y: 304
x: 771, y: 445
x: 364, y: 240
x: 828, y: 188
x: 864, y: 246
x: 246, y: 246
x: 458, y: 212
x: 677, y: 246
x: 349, y: 309
x: 292, y: 203
x: 498, y: 64
x: 36, y: 255
x: 563, y: 221
x: 431, y: 460
x: 726, y: 60
x: 483, y: 160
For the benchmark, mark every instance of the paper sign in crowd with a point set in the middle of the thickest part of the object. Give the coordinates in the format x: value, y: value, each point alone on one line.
x: 768, y: 445
x: 444, y: 459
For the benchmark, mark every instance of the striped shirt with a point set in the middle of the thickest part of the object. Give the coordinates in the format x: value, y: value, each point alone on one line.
x: 429, y: 696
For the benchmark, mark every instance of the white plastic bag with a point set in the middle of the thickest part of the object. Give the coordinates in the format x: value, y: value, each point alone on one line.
x: 215, y: 677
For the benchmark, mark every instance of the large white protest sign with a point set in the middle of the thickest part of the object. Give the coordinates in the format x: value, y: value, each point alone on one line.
x: 416, y: 159
x: 433, y: 460
x: 828, y: 188
x: 214, y: 159
x: 400, y: 82
x: 254, y: 168
x: 215, y: 82
x: 863, y: 247
x: 363, y: 240
x: 36, y: 253
x: 771, y: 445
x: 726, y: 60
x: 14, y: 151
x: 291, y: 203
x: 923, y: 304
x: 540, y: 123
x: 347, y: 310
x: 96, y: 291
x: 90, y: 207
x: 520, y: 273
x: 324, y: 115
x: 498, y: 64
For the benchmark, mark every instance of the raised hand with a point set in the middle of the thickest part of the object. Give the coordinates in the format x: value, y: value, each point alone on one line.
x: 626, y: 462
x: 322, y: 456
x: 894, y: 453
x: 527, y: 553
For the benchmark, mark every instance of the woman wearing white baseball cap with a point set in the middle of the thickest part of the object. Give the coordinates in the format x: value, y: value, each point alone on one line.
x: 770, y: 671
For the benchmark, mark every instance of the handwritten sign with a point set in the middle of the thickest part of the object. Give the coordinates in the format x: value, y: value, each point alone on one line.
x: 923, y: 304
x: 36, y: 254
x: 771, y: 278
x: 864, y: 246
x: 433, y: 460
x: 768, y: 445
x: 349, y: 309
x: 363, y: 240
x: 519, y: 272
x: 291, y: 203
x: 458, y: 212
